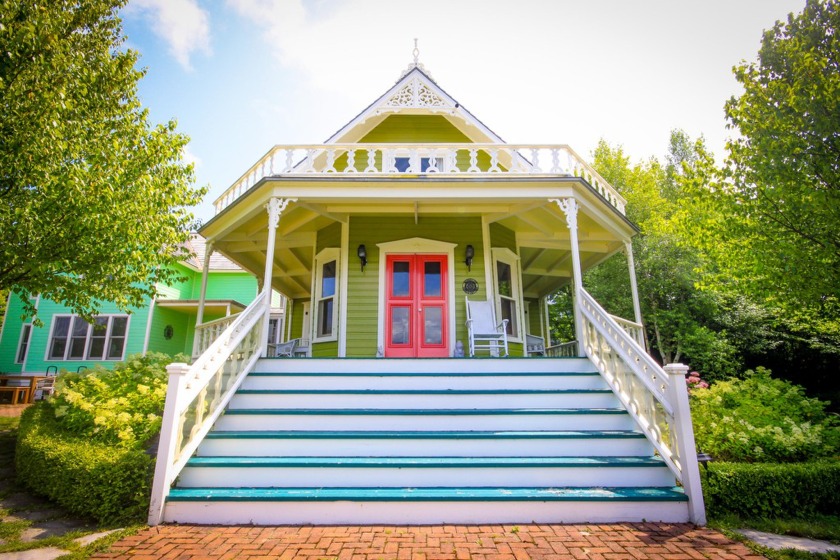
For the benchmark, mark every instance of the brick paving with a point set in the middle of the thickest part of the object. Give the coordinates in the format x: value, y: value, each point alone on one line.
x: 626, y: 541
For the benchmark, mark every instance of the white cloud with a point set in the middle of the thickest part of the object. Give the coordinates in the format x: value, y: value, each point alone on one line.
x: 181, y: 23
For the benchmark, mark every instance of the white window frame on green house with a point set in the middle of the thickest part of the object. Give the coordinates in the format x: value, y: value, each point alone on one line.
x: 23, y: 343
x: 322, y: 259
x: 514, y: 294
x: 89, y: 337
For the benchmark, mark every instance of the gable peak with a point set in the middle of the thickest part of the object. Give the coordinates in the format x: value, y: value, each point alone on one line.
x: 415, y: 64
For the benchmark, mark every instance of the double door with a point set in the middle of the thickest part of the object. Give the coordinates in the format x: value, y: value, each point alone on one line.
x: 416, y: 306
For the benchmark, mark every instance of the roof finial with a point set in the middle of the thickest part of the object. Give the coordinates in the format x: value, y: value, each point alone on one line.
x: 416, y: 53
x: 416, y: 63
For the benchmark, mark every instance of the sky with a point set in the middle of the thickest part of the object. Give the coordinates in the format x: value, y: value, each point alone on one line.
x: 240, y: 76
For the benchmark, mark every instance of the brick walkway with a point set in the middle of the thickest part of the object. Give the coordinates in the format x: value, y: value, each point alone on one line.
x: 629, y: 541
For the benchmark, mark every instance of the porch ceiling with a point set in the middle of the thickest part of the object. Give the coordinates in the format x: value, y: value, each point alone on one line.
x: 240, y: 232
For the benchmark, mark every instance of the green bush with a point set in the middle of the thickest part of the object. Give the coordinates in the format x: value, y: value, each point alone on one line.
x: 762, y: 490
x: 122, y: 406
x: 108, y: 483
x: 762, y: 419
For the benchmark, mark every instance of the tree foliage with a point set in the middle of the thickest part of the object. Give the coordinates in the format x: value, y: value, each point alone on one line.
x: 769, y: 221
x: 93, y: 198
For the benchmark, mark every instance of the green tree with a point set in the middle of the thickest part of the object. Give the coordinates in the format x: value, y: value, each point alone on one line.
x: 682, y: 323
x: 770, y: 222
x: 93, y: 198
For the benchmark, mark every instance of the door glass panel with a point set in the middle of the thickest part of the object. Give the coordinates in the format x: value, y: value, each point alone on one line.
x: 431, y: 279
x: 401, y: 282
x: 503, y: 275
x: 433, y: 325
x: 509, y: 313
x: 399, y: 325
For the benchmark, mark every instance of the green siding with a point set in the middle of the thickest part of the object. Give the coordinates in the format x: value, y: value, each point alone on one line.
x: 10, y: 340
x: 329, y: 236
x: 500, y: 236
x: 182, y: 331
x: 363, y: 287
x: 181, y: 289
x: 325, y: 349
x: 415, y: 128
x: 296, y: 326
x: 532, y: 308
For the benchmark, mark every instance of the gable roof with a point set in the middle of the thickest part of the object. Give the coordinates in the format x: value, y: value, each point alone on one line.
x: 415, y: 93
x: 196, y: 248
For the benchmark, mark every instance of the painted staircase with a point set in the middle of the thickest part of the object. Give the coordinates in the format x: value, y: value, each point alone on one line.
x: 381, y: 441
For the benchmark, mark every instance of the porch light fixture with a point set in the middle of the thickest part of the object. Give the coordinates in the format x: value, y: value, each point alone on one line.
x: 362, y: 252
x: 469, y: 253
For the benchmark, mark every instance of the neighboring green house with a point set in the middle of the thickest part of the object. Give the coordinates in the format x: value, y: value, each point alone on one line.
x: 165, y: 324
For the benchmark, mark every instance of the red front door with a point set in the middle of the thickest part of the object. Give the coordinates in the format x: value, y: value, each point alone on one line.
x: 415, y: 307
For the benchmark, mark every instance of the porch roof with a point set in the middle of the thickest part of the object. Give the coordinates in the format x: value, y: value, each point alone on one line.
x: 519, y: 203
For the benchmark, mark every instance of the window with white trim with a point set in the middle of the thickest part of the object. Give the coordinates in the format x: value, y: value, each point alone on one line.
x: 23, y: 346
x: 326, y: 295
x: 508, y: 298
x: 73, y: 338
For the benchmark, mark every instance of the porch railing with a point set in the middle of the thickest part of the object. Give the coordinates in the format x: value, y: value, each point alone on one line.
x: 421, y: 159
x: 635, y: 330
x: 206, y: 333
x: 197, y: 395
x: 657, y: 398
x: 565, y: 350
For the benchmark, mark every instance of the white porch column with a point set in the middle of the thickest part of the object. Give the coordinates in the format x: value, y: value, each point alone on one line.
x: 634, y: 289
x: 274, y: 207
x: 199, y: 314
x: 570, y: 208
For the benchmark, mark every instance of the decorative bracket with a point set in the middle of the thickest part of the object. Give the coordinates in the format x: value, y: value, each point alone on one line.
x: 275, y: 208
x: 569, y: 208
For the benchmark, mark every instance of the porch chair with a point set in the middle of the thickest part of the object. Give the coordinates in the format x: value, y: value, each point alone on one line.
x: 534, y: 345
x: 286, y: 349
x: 484, y: 332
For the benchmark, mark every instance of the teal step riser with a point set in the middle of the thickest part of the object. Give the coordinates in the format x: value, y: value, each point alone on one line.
x: 425, y: 422
x: 395, y: 447
x: 464, y: 477
x: 292, y: 382
x: 351, y: 512
x: 463, y: 366
x: 424, y: 401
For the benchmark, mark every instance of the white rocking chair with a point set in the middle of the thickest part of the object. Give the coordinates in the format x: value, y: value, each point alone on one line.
x: 484, y: 332
x: 286, y: 349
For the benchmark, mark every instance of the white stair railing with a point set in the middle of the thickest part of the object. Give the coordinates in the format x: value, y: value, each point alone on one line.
x: 635, y: 330
x: 197, y: 394
x: 656, y: 398
x: 206, y: 333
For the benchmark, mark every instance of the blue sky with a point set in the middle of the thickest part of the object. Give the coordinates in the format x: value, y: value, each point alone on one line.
x: 242, y: 75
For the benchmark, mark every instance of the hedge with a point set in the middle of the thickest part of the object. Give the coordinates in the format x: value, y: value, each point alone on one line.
x: 771, y: 490
x: 105, y: 482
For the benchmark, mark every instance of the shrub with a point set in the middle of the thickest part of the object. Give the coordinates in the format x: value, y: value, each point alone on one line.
x: 761, y: 419
x: 760, y: 490
x: 110, y: 484
x: 122, y: 406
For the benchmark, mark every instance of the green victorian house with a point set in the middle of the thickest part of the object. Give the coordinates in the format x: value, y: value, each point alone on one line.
x: 165, y: 324
x: 417, y: 251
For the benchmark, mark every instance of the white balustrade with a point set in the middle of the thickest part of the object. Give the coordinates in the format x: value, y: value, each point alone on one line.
x: 198, y: 393
x: 421, y: 159
x: 657, y: 398
x: 635, y: 330
x: 564, y: 350
x: 206, y: 333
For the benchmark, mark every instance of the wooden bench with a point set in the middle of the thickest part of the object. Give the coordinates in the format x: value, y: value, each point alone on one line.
x: 18, y: 394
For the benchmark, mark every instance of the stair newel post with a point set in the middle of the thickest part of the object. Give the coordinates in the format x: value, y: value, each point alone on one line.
x: 570, y: 208
x: 169, y: 437
x: 678, y: 396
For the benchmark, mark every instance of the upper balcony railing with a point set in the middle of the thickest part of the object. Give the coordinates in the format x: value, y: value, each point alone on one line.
x: 421, y: 159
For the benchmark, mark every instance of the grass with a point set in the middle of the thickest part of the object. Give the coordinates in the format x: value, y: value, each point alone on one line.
x: 821, y: 527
